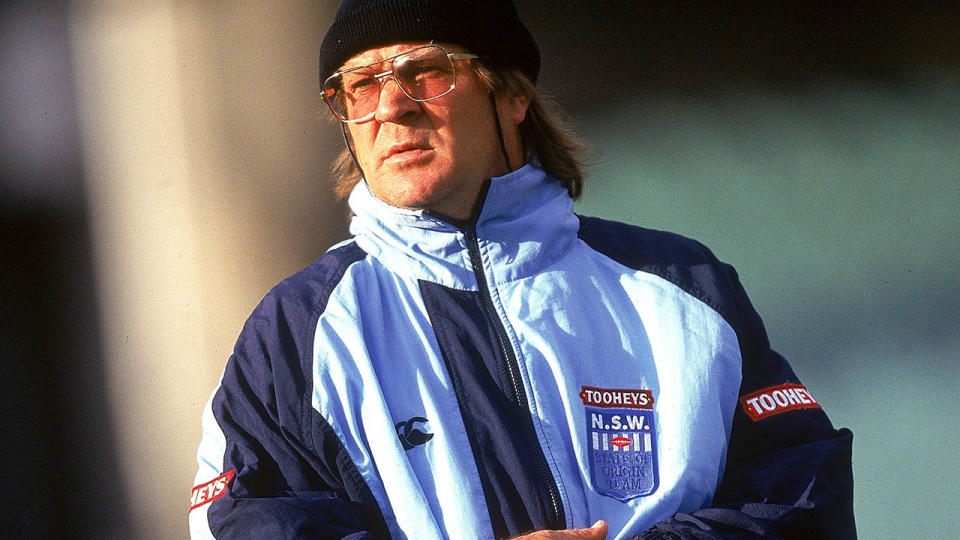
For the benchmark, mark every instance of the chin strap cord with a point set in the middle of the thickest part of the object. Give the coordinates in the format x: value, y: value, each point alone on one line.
x: 346, y: 141
x: 496, y: 121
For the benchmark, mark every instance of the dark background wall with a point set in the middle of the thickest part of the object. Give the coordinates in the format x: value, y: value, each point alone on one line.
x: 58, y: 463
x: 812, y: 145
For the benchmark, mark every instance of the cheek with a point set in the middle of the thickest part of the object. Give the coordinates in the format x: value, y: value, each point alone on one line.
x: 362, y: 139
x: 476, y: 139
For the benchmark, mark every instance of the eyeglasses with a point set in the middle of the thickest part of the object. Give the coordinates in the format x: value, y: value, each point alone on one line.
x: 422, y: 74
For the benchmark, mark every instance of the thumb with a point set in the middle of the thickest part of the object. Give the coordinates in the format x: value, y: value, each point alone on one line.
x: 597, y: 531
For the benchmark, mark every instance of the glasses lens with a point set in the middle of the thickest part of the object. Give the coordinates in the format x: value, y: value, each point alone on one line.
x: 424, y: 73
x: 352, y: 94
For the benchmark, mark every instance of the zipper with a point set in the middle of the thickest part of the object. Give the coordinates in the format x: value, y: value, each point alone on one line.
x: 520, y: 398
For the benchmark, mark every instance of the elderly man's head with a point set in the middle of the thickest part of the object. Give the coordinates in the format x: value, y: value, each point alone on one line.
x: 437, y: 96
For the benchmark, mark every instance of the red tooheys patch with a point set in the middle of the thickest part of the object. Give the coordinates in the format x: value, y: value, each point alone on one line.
x: 211, y: 491
x: 776, y: 400
x: 618, y: 398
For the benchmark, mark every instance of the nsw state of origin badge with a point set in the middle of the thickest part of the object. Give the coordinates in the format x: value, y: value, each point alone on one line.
x: 622, y: 441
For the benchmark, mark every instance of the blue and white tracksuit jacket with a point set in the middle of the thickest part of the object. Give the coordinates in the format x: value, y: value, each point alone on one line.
x: 530, y: 369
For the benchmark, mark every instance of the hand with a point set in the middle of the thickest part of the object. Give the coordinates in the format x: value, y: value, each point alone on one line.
x: 598, y: 531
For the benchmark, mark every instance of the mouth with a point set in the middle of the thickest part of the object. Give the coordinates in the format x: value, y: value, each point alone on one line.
x: 405, y: 151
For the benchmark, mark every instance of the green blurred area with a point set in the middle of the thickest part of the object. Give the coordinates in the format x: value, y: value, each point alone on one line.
x: 839, y: 205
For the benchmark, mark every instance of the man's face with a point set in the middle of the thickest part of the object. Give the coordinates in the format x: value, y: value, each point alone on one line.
x: 433, y: 155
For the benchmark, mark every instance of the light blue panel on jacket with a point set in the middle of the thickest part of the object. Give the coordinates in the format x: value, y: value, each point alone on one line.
x: 589, y: 321
x: 365, y: 384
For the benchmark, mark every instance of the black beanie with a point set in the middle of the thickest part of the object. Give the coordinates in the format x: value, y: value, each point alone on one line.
x: 488, y: 28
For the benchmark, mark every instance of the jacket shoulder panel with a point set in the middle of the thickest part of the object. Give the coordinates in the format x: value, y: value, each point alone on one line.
x: 307, y: 291
x: 684, y: 262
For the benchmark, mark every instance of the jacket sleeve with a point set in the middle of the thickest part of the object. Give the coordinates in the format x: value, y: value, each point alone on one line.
x: 788, y: 471
x: 270, y: 466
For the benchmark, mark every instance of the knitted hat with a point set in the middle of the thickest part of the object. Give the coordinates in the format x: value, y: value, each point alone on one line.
x: 488, y: 28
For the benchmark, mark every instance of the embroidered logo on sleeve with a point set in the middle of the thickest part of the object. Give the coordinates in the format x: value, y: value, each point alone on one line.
x: 776, y: 400
x: 212, y: 490
x: 621, y: 441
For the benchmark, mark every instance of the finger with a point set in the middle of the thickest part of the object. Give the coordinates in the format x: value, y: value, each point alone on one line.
x: 597, y: 531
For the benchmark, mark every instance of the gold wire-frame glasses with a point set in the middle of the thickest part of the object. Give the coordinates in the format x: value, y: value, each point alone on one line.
x: 422, y: 74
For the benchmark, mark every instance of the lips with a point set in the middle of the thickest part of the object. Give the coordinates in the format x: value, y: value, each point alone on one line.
x: 403, y: 149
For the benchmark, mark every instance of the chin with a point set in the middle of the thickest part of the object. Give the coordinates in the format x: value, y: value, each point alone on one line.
x: 416, y: 192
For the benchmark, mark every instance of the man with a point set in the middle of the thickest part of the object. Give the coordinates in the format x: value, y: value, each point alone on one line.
x: 480, y: 362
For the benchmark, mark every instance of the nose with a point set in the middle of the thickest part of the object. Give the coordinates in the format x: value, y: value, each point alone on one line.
x: 394, y: 105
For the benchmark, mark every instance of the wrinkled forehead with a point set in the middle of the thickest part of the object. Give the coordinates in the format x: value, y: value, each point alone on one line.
x: 379, y: 54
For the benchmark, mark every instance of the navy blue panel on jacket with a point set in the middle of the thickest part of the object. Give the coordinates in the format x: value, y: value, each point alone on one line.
x: 284, y: 487
x: 508, y: 455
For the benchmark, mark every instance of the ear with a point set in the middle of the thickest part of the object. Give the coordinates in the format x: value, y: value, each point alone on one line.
x: 513, y: 108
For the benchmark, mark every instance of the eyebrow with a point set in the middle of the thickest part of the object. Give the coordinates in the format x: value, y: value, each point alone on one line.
x: 347, y: 65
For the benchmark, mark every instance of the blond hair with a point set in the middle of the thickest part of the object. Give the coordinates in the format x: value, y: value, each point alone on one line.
x: 545, y: 134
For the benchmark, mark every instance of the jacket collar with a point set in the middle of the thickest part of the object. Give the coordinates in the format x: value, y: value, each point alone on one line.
x: 526, y: 223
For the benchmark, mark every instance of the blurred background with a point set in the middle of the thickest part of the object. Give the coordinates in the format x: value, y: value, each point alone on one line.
x: 163, y: 164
